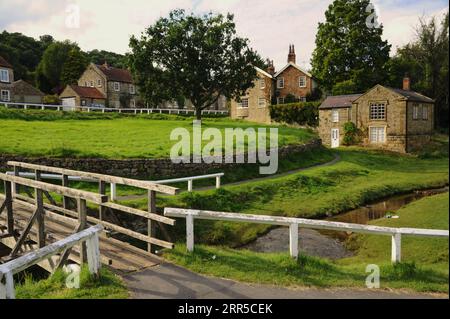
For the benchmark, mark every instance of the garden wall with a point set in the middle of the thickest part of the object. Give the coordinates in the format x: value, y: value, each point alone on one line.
x: 152, y: 168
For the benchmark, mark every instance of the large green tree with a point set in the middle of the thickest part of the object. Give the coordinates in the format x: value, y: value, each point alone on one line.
x: 350, y: 53
x: 198, y: 57
x: 74, y: 66
x: 113, y: 59
x: 425, y: 60
x: 49, y: 70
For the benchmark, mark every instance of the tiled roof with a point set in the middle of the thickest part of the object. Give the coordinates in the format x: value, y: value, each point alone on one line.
x: 116, y: 75
x: 5, y: 63
x: 412, y: 96
x: 88, y: 92
x: 23, y: 88
x: 339, y: 101
x: 295, y: 66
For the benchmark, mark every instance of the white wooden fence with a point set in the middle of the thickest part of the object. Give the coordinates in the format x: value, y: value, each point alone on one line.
x: 295, y: 223
x: 90, y: 236
x: 26, y: 106
x: 190, y: 180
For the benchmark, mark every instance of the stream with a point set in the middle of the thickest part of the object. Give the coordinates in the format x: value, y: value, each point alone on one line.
x: 330, y: 244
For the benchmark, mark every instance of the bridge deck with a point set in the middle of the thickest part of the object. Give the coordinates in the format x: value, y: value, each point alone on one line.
x: 120, y: 256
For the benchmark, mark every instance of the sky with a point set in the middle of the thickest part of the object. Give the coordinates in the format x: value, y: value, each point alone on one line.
x: 269, y: 25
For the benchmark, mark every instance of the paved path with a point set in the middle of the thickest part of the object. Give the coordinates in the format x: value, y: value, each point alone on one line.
x: 336, y: 160
x: 168, y: 281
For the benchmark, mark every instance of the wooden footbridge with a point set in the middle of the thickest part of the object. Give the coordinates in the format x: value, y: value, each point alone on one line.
x: 34, y: 214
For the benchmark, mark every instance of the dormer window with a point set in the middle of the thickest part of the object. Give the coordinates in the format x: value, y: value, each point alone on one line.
x: 116, y: 86
x: 4, y: 76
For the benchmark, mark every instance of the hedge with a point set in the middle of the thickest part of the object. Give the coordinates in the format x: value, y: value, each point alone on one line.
x: 301, y: 113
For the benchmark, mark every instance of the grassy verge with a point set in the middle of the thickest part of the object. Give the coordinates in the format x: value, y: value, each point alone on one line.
x: 108, y: 136
x: 425, y: 266
x: 107, y: 286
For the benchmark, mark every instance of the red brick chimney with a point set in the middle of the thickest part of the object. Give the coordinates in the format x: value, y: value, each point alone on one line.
x: 292, y: 57
x: 270, y: 68
x: 406, y: 83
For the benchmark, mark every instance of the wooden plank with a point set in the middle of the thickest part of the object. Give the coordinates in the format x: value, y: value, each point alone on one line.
x: 24, y: 233
x: 82, y: 220
x: 92, y: 197
x: 140, y: 213
x: 304, y: 223
x: 106, y: 178
x: 293, y: 240
x: 9, y: 207
x: 66, y: 200
x: 151, y: 206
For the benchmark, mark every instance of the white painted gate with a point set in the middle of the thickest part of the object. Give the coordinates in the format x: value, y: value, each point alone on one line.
x: 335, y: 138
x: 68, y: 104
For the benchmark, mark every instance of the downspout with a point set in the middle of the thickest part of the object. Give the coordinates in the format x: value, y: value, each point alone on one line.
x: 406, y: 126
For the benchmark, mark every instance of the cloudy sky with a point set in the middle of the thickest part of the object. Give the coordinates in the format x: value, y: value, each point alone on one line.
x: 270, y: 25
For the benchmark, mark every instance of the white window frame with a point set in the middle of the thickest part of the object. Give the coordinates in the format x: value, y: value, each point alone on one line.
x: 379, y: 138
x: 262, y: 84
x: 416, y: 111
x: 99, y: 83
x: 2, y: 93
x: 335, y: 116
x: 244, y: 103
x: 132, y: 89
x: 377, y: 111
x: 280, y: 83
x: 92, y: 84
x: 280, y: 100
x: 4, y: 76
x: 133, y: 103
x: 262, y: 102
x: 304, y: 80
x: 425, y: 112
x: 116, y: 86
x: 83, y: 102
x: 302, y: 99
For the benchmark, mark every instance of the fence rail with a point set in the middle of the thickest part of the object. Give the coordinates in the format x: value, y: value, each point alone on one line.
x: 90, y: 236
x: 295, y: 223
x: 136, y: 111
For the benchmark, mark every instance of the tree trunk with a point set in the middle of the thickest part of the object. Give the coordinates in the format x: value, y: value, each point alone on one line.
x: 198, y: 114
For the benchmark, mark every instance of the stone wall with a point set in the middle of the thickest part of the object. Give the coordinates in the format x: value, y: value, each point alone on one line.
x: 147, y: 168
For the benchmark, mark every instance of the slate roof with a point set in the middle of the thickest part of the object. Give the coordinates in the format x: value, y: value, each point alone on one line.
x: 5, y: 63
x: 23, y: 88
x: 88, y: 92
x: 412, y: 96
x: 116, y: 75
x: 339, y: 101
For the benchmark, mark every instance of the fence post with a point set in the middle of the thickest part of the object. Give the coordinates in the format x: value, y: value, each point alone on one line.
x: 150, y: 224
x: 93, y: 254
x: 65, y: 183
x: 9, y: 291
x: 190, y: 185
x: 218, y: 182
x: 190, y: 233
x: 82, y: 220
x: 293, y: 240
x: 16, y: 186
x: 39, y: 194
x: 113, y: 191
x: 102, y: 191
x: 396, y: 248
x: 9, y: 207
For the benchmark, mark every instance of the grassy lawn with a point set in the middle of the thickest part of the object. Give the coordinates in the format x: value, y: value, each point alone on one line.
x: 361, y: 177
x: 59, y: 134
x: 108, y: 286
x: 425, y: 266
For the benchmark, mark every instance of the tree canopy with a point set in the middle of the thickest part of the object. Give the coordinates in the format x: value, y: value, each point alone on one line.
x: 349, y: 49
x: 197, y: 57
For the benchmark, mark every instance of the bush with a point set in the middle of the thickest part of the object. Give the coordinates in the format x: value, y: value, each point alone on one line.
x: 51, y: 100
x: 302, y: 113
x: 351, y: 134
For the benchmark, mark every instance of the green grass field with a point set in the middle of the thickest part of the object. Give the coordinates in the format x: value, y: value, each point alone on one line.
x: 424, y: 267
x: 58, y: 134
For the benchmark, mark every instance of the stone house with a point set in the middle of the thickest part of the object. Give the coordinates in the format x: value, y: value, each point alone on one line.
x: 271, y: 87
x: 24, y: 92
x: 387, y: 118
x: 116, y: 85
x: 6, y: 80
x: 74, y: 96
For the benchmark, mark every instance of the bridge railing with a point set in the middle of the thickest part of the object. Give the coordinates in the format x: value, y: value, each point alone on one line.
x: 27, y: 106
x: 295, y: 223
x: 89, y: 236
x: 151, y: 214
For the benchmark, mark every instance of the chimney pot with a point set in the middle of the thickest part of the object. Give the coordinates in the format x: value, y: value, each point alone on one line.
x: 406, y: 83
x: 292, y: 56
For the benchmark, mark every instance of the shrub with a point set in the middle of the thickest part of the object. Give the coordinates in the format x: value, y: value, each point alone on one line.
x: 51, y: 100
x: 351, y: 133
x: 302, y: 113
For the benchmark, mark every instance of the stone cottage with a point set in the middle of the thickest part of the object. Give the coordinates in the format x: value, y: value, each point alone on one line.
x: 393, y: 119
x: 116, y: 86
x: 75, y: 96
x: 6, y: 80
x: 24, y: 92
x: 269, y: 86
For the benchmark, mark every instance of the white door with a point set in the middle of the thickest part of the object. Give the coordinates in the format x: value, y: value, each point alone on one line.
x: 334, y: 137
x: 68, y: 104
